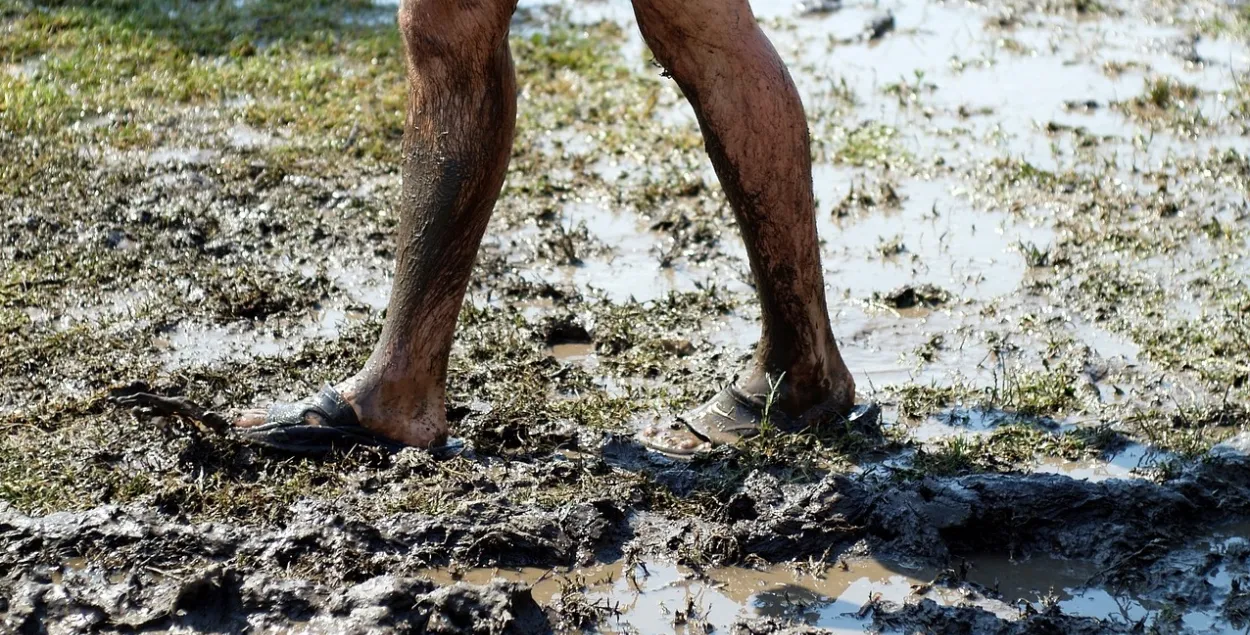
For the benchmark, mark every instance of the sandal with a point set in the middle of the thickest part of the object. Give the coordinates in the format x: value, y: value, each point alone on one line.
x: 733, y: 415
x: 289, y: 428
x: 315, y: 426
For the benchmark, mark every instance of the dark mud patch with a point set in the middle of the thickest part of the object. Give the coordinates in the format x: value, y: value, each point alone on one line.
x: 115, y: 568
x: 908, y: 297
x: 222, y: 599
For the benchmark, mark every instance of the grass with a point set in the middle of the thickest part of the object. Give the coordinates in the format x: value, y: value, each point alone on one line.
x: 291, y: 65
x: 258, y: 242
x: 1008, y: 448
x: 1168, y: 102
x: 916, y: 400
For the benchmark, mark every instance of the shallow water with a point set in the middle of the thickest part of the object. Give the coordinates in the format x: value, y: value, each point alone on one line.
x: 1134, y: 461
x: 659, y: 598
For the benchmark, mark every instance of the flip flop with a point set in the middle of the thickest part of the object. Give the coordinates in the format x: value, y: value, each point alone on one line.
x: 733, y: 415
x: 323, y: 423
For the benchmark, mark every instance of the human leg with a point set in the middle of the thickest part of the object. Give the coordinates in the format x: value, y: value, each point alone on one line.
x: 457, y: 141
x: 756, y: 136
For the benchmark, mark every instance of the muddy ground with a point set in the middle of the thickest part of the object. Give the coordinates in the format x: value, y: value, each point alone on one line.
x: 1034, y: 222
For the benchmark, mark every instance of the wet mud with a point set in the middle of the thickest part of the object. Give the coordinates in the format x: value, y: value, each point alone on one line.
x: 119, y: 568
x: 1033, y: 221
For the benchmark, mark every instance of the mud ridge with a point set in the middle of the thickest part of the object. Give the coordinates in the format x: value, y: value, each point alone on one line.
x: 222, y: 599
x: 131, y: 568
x: 1114, y: 523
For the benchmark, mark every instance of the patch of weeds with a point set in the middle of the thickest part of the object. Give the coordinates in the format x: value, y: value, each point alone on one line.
x: 1079, y: 7
x: 864, y: 198
x: 643, y: 338
x: 1048, y: 391
x: 908, y: 92
x: 912, y: 296
x: 1034, y: 256
x: 1165, y: 93
x: 1240, y: 98
x: 250, y: 294
x: 1016, y: 172
x: 303, y: 63
x: 917, y: 402
x: 1235, y: 23
x: 576, y: 611
x: 1173, y: 434
x: 567, y: 47
x: 1188, y: 431
x: 567, y: 245
x: 1013, y: 46
x: 1213, y: 346
x: 891, y: 247
x: 953, y: 456
x: 1115, y: 68
x: 1170, y: 101
x: 929, y: 351
x: 869, y: 144
x: 1096, y: 440
x: 1007, y: 448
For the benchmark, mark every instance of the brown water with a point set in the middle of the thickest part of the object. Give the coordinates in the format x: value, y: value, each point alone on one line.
x: 572, y: 351
x: 649, y: 597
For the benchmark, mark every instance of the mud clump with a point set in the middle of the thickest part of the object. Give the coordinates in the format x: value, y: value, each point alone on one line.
x: 908, y: 297
x: 222, y: 599
x: 937, y: 518
x: 114, y: 568
x: 928, y: 616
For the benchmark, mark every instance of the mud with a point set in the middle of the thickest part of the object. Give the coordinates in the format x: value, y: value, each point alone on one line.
x: 1033, y: 222
x: 115, y: 568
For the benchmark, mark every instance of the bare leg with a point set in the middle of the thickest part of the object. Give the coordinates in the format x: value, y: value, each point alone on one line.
x: 756, y: 135
x: 457, y: 140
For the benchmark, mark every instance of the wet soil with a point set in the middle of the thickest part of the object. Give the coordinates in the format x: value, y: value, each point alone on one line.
x: 1033, y: 220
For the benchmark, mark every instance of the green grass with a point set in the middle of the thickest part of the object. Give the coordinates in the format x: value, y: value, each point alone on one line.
x: 1008, y: 448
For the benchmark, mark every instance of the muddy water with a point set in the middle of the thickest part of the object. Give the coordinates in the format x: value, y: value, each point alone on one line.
x: 1134, y: 461
x: 660, y: 598
x: 573, y: 351
x: 653, y: 597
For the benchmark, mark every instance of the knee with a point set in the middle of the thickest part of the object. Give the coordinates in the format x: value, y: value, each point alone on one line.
x: 678, y: 30
x: 454, y: 28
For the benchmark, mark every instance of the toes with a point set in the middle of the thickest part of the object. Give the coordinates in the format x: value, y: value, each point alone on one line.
x: 672, y: 438
x: 250, y: 418
x: 256, y: 416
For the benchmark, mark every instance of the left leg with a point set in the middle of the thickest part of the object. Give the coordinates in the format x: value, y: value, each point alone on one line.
x: 756, y: 136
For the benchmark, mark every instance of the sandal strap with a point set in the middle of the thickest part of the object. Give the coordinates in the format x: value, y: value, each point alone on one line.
x: 328, y: 405
x: 730, y: 416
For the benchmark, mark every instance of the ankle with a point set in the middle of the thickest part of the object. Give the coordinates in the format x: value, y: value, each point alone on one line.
x: 397, y: 408
x: 802, y: 386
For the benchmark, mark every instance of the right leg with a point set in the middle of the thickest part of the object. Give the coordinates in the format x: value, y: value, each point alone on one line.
x: 457, y: 140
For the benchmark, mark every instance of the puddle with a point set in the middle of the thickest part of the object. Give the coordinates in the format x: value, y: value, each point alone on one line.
x: 244, y: 137
x: 648, y: 598
x: 959, y: 422
x: 191, y: 343
x: 940, y: 238
x: 572, y: 351
x: 1134, y: 461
